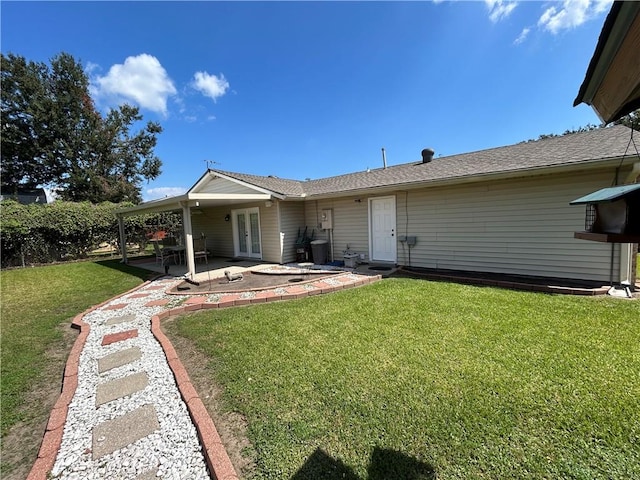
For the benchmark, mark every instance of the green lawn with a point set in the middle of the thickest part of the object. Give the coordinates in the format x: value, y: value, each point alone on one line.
x: 415, y: 379
x: 34, y: 302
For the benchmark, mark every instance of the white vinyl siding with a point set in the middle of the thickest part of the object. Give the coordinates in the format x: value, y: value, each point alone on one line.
x: 291, y: 219
x: 219, y: 233
x: 222, y: 185
x: 350, y: 224
x: 269, y: 233
x: 522, y: 226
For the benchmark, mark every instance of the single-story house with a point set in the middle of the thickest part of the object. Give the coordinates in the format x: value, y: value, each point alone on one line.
x: 502, y: 210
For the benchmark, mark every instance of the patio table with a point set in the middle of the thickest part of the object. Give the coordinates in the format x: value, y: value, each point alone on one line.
x: 178, y: 250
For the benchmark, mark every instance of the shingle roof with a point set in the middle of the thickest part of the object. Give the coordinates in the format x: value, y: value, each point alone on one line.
x: 599, y: 144
x: 289, y: 188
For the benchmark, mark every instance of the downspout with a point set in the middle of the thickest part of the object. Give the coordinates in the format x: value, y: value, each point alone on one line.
x: 123, y: 238
x: 188, y: 240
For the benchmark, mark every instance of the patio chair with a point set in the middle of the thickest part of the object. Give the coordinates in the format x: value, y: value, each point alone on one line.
x: 162, y: 254
x: 200, y: 249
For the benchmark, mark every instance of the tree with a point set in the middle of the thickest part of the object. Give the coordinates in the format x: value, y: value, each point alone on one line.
x: 631, y: 120
x: 52, y: 134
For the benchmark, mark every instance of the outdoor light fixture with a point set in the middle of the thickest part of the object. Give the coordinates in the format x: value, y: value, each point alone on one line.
x: 268, y: 203
x: 227, y: 217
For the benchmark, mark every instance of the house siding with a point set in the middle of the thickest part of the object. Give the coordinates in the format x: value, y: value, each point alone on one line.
x: 350, y: 223
x: 522, y: 226
x: 270, y: 233
x: 291, y: 218
x: 219, y: 233
x: 222, y: 185
x: 517, y: 226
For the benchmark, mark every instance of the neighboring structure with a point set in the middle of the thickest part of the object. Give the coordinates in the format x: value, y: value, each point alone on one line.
x: 502, y: 210
x: 24, y: 195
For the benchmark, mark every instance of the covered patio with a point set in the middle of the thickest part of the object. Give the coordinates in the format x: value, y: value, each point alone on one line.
x: 214, y: 197
x: 215, y: 267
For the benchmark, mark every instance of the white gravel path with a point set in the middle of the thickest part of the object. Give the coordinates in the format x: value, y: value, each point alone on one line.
x: 173, y: 451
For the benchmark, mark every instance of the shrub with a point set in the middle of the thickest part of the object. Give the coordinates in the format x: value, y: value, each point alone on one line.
x: 61, y: 231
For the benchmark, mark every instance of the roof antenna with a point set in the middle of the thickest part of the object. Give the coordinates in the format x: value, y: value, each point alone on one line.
x: 210, y: 162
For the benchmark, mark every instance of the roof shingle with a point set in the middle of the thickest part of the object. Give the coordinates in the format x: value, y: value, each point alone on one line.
x: 599, y: 144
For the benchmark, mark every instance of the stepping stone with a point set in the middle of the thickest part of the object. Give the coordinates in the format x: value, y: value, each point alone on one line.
x: 118, y: 359
x: 116, y: 306
x: 121, y: 387
x: 117, y: 320
x: 156, y: 303
x: 118, y: 337
x: 115, y: 434
x: 139, y: 295
x: 150, y: 475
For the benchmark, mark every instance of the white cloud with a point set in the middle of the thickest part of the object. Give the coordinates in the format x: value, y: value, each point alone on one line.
x: 499, y: 9
x: 210, y: 85
x: 141, y: 80
x: 523, y: 36
x: 571, y: 14
x: 162, y: 192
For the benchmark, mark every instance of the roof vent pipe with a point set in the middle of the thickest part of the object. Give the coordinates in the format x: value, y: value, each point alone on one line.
x: 427, y: 155
x: 384, y: 158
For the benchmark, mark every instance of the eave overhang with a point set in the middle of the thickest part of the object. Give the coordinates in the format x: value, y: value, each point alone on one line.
x: 612, y: 82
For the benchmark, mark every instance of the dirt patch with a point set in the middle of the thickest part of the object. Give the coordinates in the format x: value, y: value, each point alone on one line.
x: 231, y: 426
x: 21, y: 444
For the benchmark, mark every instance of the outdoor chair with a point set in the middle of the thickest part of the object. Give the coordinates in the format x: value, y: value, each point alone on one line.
x: 162, y: 254
x: 200, y: 249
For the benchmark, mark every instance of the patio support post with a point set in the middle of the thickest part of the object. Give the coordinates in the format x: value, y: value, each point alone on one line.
x: 188, y: 239
x: 123, y: 239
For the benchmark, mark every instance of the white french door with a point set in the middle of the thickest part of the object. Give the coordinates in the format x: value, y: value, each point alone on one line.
x: 246, y: 233
x: 382, y: 229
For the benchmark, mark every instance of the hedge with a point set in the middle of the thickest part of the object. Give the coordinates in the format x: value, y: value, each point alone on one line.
x: 59, y: 231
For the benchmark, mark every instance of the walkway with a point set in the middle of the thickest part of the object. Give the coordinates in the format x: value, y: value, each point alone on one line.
x: 127, y: 408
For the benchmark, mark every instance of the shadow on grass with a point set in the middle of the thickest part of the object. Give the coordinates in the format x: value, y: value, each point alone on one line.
x: 385, y: 464
x: 115, y: 264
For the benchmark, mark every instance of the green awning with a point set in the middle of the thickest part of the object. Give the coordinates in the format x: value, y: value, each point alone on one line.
x: 607, y: 194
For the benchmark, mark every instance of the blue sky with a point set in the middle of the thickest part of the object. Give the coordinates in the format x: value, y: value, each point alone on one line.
x: 314, y: 89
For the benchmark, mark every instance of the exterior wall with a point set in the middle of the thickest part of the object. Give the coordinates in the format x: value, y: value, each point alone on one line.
x: 221, y: 185
x: 350, y: 223
x: 270, y: 233
x: 522, y: 226
x: 291, y: 215
x: 220, y: 232
x: 515, y: 226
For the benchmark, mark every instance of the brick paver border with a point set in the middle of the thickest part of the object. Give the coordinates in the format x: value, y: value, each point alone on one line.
x: 218, y: 461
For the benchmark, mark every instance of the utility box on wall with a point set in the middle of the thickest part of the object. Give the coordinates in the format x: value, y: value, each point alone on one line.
x: 326, y: 219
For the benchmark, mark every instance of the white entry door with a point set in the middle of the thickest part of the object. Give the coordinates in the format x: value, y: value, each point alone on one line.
x: 382, y: 229
x: 246, y: 233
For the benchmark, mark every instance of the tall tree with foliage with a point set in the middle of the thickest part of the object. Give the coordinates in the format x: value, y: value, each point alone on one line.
x: 52, y: 134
